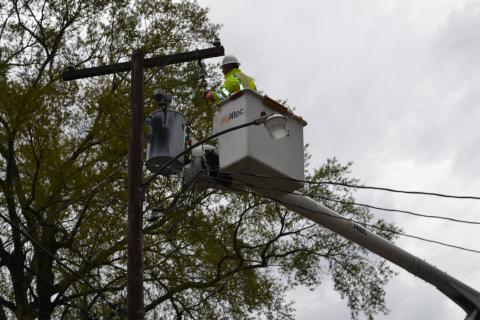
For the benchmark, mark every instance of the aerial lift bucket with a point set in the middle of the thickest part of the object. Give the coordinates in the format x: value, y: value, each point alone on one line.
x: 250, y: 155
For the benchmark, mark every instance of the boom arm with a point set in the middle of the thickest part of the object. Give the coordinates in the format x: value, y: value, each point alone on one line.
x: 463, y: 295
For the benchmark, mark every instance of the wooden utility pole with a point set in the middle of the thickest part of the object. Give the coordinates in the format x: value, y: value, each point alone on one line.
x: 135, y: 194
x: 135, y: 304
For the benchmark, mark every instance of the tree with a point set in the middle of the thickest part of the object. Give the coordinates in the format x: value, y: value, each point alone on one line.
x: 63, y: 153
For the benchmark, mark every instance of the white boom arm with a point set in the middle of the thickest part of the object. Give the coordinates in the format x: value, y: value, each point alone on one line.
x: 463, y: 295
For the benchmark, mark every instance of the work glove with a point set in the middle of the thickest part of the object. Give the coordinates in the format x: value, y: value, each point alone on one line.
x: 209, y: 96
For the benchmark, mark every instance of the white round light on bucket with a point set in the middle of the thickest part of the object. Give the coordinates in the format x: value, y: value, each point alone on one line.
x: 276, y: 125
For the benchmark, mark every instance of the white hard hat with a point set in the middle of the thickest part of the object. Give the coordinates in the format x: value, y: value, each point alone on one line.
x: 229, y: 60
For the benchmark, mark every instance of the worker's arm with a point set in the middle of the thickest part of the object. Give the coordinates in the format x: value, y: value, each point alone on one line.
x: 252, y: 84
x: 230, y: 85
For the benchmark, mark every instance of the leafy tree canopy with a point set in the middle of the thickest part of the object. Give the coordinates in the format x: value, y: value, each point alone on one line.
x: 63, y: 147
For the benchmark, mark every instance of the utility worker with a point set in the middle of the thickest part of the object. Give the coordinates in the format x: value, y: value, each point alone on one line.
x: 235, y: 80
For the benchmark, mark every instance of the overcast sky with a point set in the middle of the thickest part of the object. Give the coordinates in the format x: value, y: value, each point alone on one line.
x: 394, y: 86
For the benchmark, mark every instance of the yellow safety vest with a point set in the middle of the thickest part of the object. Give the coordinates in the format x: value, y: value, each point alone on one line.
x: 235, y: 80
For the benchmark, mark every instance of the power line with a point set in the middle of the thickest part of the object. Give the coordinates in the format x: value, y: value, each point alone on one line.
x: 393, y: 231
x: 413, y: 213
x: 66, y: 267
x: 443, y: 195
x: 356, y: 186
x: 400, y: 211
x: 349, y: 219
x: 363, y: 205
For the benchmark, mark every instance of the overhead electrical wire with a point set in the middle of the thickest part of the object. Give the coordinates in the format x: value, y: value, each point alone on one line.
x: 364, y: 205
x: 349, y: 219
x: 368, y: 205
x: 392, y: 231
x: 356, y: 186
x: 113, y: 306
x: 413, y: 213
x: 401, y: 211
x: 435, y: 194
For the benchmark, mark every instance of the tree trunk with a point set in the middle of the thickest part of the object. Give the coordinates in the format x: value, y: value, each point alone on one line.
x: 45, y: 283
x: 17, y: 261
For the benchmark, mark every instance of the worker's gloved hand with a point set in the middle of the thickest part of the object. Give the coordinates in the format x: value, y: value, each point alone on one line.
x: 208, y: 96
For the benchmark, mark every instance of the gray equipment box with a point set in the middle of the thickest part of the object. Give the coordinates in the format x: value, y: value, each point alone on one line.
x: 250, y: 153
x: 166, y: 140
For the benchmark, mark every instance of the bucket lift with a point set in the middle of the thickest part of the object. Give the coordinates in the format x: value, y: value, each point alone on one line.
x: 243, y: 155
x: 274, y: 168
x: 253, y: 155
x: 252, y: 152
x: 250, y: 155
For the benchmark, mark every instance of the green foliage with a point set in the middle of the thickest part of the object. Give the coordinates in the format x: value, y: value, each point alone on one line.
x: 63, y: 148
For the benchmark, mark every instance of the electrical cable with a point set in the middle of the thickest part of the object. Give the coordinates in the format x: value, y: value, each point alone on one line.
x: 392, y: 231
x: 378, y: 208
x: 73, y: 272
x: 435, y: 194
x: 347, y: 219
x: 172, y: 204
x: 413, y: 213
x: 401, y: 211
x: 357, y: 186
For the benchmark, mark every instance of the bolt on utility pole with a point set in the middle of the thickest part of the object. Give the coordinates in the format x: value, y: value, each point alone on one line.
x: 135, y: 304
